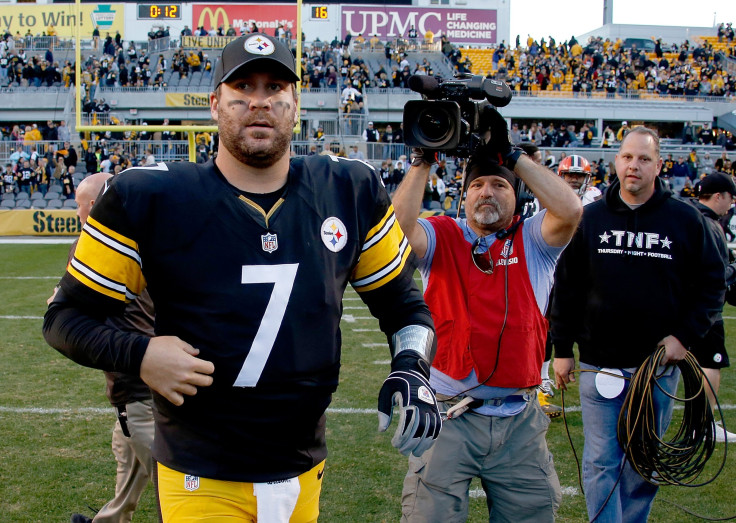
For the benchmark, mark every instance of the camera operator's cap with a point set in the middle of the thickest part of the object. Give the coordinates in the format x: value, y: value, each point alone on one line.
x: 482, y: 165
x: 255, y: 49
x: 717, y: 183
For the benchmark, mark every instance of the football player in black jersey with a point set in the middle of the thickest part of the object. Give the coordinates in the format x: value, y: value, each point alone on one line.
x: 247, y: 258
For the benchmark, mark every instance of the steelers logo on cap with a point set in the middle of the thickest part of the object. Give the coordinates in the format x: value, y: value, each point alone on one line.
x: 257, y: 44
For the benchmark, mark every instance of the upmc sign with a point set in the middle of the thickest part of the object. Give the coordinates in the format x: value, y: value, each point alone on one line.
x: 472, y: 26
x: 266, y: 16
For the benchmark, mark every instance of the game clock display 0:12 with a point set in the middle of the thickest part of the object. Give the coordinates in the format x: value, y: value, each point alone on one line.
x: 159, y: 11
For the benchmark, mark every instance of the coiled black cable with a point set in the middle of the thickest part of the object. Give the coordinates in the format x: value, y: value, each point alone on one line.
x: 681, y: 459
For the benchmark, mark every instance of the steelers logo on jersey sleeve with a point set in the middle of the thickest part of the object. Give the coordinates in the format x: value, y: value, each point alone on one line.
x: 334, y: 234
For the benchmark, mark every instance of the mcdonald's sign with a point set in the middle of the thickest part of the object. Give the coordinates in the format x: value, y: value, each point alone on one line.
x: 266, y: 16
x: 212, y: 20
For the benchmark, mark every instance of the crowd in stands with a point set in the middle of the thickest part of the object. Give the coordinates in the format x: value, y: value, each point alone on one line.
x: 609, y: 67
x: 598, y: 66
x: 31, y: 168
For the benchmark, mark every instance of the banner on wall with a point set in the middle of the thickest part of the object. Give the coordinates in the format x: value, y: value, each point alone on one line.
x: 36, y: 18
x: 40, y: 222
x: 187, y: 100
x: 266, y: 16
x: 472, y: 26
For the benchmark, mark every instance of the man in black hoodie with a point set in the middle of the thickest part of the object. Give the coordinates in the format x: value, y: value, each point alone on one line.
x: 642, y: 271
x: 716, y: 193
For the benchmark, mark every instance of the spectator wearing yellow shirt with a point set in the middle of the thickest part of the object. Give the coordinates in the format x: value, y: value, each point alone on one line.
x: 204, y: 139
x: 194, y: 61
x: 429, y: 37
x: 32, y: 135
x: 375, y: 42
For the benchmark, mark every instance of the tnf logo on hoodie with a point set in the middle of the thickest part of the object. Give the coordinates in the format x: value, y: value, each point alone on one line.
x: 621, y: 242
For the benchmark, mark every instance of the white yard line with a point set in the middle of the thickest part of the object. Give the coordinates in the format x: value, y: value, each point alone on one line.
x: 37, y: 241
x: 57, y: 277
x: 84, y: 411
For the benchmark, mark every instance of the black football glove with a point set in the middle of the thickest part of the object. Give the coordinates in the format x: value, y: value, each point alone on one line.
x: 428, y: 156
x: 500, y: 147
x: 419, y: 416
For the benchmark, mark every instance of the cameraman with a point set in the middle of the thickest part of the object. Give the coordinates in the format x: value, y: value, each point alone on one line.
x: 487, y: 280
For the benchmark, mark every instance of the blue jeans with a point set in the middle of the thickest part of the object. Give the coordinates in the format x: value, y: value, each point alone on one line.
x: 632, y: 498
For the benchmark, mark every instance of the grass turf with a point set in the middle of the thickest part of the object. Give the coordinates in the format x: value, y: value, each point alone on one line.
x: 55, y: 424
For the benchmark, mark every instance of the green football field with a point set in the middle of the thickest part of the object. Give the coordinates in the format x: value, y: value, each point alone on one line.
x: 55, y: 423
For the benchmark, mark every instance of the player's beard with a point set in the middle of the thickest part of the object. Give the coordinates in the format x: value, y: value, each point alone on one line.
x: 251, y: 146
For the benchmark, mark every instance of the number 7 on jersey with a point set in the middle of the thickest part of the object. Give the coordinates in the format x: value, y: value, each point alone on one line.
x: 282, y: 276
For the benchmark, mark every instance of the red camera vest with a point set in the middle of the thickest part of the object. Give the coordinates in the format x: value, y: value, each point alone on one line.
x: 466, y: 341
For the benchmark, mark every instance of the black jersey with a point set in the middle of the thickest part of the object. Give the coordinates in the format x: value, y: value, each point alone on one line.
x: 259, y: 294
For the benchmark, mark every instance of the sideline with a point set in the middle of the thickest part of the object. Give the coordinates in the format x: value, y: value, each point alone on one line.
x: 85, y: 411
x: 26, y: 240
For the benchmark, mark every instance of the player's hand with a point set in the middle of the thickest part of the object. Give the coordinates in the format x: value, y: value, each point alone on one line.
x: 171, y: 368
x: 563, y: 371
x: 53, y: 295
x: 674, y: 351
x: 500, y: 147
x: 419, y: 416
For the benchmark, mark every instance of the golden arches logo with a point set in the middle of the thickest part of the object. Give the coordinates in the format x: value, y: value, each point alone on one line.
x: 213, y: 18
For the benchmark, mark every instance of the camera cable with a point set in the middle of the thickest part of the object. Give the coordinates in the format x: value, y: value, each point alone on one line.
x: 681, y: 459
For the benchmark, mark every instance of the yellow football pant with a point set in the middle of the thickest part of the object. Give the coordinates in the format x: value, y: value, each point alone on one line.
x: 185, y: 498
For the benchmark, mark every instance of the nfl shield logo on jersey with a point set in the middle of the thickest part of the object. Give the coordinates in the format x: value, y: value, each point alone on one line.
x: 269, y: 242
x: 191, y: 483
x: 508, y: 249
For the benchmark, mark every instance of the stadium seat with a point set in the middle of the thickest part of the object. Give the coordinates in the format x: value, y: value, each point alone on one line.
x: 37, y: 196
x: 69, y: 204
x: 55, y: 188
x: 7, y: 204
x: 8, y: 196
x: 51, y: 195
x: 54, y: 204
x: 23, y: 204
x: 22, y: 196
x: 39, y: 204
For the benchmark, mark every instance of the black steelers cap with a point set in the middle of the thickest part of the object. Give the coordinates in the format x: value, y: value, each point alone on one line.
x: 252, y: 49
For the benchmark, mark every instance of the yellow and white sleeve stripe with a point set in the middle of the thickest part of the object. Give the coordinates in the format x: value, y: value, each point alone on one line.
x: 107, y: 262
x: 383, y: 256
